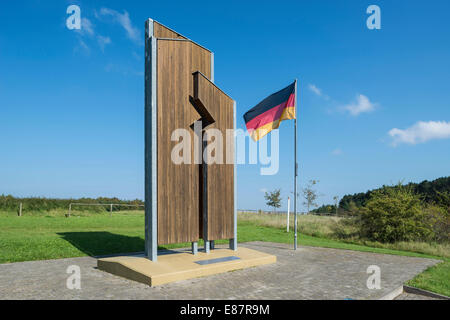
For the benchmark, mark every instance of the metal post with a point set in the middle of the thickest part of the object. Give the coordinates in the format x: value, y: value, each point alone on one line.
x: 295, y: 167
x: 20, y: 209
x: 110, y: 210
x: 287, y: 222
x: 208, y: 245
x: 205, y: 195
x: 212, y: 67
x: 233, y: 242
x: 194, y: 248
x: 151, y: 214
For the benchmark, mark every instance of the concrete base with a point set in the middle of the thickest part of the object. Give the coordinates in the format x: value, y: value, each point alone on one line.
x: 177, y: 265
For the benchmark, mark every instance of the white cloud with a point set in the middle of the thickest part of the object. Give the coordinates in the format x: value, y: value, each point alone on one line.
x: 103, y: 41
x: 314, y: 89
x: 124, y: 20
x: 87, y: 32
x: 82, y: 47
x: 421, y: 132
x: 263, y: 190
x: 86, y: 26
x: 318, y: 92
x: 362, y: 105
x: 336, y: 152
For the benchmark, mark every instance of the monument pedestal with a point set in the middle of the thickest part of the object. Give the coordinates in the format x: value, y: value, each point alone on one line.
x: 176, y: 265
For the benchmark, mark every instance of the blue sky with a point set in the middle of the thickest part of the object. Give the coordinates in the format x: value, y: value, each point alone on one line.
x: 374, y: 105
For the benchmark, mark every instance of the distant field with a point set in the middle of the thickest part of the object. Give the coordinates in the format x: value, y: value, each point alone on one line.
x: 318, y: 226
x: 74, y: 213
x: 53, y: 236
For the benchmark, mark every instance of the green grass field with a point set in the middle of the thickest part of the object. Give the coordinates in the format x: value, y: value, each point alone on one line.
x: 52, y: 237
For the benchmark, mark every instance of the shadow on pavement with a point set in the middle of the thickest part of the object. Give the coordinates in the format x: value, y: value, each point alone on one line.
x: 102, y: 244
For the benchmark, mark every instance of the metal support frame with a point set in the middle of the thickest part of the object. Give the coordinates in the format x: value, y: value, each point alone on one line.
x: 207, y: 246
x: 205, y: 196
x: 212, y: 67
x: 151, y: 213
x: 194, y: 248
x: 233, y: 242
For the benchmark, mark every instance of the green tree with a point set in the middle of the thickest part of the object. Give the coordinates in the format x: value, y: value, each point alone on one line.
x: 336, y: 202
x: 310, y: 195
x: 352, y: 209
x: 394, y: 214
x: 439, y: 219
x: 432, y: 192
x: 273, y: 199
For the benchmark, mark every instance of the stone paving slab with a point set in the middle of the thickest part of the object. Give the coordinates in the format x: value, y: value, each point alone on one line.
x: 412, y: 296
x: 308, y: 273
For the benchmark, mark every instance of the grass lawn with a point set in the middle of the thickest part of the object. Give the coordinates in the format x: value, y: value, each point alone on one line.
x: 41, y: 238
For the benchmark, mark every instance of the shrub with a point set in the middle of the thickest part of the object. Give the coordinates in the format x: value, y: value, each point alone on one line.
x: 395, y: 214
x: 439, y: 219
x: 346, y: 228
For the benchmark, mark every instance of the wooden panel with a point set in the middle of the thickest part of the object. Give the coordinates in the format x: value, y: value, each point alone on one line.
x: 201, y: 61
x: 178, y: 185
x: 160, y: 31
x: 219, y: 190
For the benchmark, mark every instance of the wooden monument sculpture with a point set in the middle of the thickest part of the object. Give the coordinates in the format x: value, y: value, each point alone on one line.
x: 184, y: 202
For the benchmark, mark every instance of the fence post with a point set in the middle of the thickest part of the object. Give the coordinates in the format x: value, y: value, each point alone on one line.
x: 70, y: 208
x: 20, y: 209
x: 110, y: 210
x: 287, y: 224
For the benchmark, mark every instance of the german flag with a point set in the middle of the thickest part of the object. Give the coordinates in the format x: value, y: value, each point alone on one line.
x: 268, y: 114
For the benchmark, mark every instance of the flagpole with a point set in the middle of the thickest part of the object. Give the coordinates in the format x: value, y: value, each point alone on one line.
x: 295, y: 167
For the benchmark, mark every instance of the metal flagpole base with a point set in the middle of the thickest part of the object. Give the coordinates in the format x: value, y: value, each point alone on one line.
x: 194, y: 247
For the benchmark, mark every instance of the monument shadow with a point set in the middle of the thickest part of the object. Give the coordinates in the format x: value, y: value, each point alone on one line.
x: 103, y: 244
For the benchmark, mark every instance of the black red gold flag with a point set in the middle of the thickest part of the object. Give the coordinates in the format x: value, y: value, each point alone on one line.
x: 267, y: 115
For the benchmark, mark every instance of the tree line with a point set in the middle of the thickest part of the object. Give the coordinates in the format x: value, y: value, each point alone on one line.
x: 402, y: 212
x: 435, y: 192
x: 10, y: 203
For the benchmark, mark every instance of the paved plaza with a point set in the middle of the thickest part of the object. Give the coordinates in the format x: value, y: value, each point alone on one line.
x: 308, y: 273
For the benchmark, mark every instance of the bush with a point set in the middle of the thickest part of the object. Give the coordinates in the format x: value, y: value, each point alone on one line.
x: 346, y: 229
x: 395, y: 214
x: 439, y: 218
